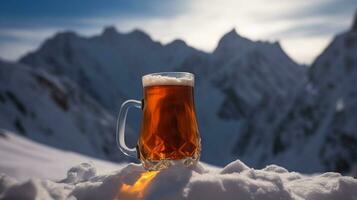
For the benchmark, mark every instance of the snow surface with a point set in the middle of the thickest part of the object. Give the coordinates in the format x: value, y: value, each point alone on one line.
x: 22, y: 159
x: 104, y: 180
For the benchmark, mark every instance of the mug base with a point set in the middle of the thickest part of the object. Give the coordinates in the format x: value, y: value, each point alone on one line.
x: 155, y: 165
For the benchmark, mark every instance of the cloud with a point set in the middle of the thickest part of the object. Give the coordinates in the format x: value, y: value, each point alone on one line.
x: 205, y: 21
x: 12, y: 50
x: 318, y: 26
x: 84, y: 8
x: 201, y: 23
x: 15, y: 42
x: 337, y: 9
x: 305, y: 50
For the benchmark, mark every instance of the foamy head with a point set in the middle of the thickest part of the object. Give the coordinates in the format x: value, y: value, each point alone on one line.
x: 169, y: 78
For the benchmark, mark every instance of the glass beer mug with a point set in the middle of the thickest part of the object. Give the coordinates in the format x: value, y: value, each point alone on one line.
x: 169, y: 131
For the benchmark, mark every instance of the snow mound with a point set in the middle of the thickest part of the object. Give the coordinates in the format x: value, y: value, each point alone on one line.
x: 178, y: 182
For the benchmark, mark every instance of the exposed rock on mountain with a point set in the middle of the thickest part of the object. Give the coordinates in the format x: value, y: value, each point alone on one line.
x: 54, y: 111
x: 319, y: 127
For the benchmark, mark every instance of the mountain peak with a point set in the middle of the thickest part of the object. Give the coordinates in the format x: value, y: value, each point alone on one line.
x: 232, y: 35
x: 232, y: 40
x: 110, y: 30
x: 139, y: 33
x: 65, y: 34
x: 232, y: 32
x: 354, y: 23
x: 177, y: 43
x: 60, y: 38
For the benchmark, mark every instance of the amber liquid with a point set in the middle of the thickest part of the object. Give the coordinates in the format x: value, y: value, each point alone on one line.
x: 169, y: 127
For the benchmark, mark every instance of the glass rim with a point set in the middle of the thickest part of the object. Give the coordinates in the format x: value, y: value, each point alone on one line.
x: 168, y: 78
x: 168, y: 74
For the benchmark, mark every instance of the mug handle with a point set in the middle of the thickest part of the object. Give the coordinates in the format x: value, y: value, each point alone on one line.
x: 120, y: 135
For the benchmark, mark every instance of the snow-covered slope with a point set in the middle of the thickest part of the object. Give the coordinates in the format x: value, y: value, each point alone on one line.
x: 54, y: 111
x: 23, y: 159
x: 320, y: 126
x: 234, y: 81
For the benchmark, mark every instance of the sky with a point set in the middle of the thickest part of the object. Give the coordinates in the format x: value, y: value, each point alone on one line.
x: 303, y: 27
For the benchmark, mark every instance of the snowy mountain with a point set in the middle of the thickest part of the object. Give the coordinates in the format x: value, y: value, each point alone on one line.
x: 253, y: 102
x: 319, y: 126
x: 108, y: 66
x: 239, y: 79
x: 54, y: 111
x: 231, y: 83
